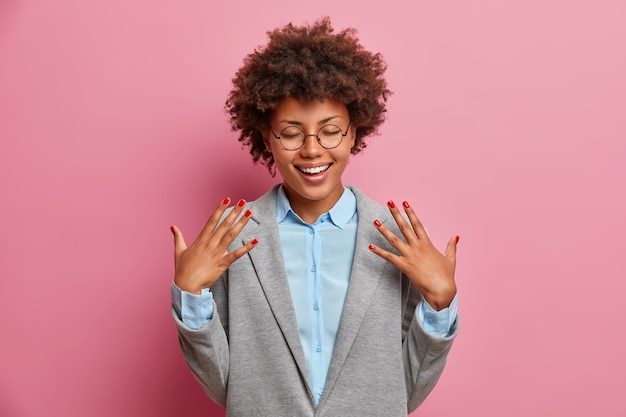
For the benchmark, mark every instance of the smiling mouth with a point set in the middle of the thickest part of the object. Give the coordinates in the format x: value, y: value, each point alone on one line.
x: 315, y: 170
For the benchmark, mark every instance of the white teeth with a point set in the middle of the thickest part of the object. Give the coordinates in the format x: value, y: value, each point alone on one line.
x: 315, y: 170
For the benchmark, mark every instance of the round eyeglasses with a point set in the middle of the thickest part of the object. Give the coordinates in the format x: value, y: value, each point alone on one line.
x: 292, y: 138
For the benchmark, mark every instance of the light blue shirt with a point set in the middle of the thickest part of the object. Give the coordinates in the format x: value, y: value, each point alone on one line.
x: 318, y: 259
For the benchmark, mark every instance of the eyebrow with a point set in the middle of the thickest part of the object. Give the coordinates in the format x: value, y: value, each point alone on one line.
x: 295, y: 122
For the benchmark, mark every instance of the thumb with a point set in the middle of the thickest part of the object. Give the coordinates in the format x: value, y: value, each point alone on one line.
x: 179, y: 241
x: 451, y: 248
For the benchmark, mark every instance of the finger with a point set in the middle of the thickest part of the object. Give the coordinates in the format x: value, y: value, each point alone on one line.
x: 451, y: 248
x: 231, y: 234
x: 391, y: 237
x: 388, y: 256
x: 214, y: 219
x: 406, y: 230
x: 224, y: 227
x: 179, y: 241
x: 417, y: 225
x: 238, y: 253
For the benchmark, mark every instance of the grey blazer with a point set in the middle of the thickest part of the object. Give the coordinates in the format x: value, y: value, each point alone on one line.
x: 249, y: 358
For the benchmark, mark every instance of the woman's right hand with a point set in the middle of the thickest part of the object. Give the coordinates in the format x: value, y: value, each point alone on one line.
x: 200, y: 264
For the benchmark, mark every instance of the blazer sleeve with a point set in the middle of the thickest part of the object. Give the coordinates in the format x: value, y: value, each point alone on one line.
x: 206, y: 350
x: 424, y: 354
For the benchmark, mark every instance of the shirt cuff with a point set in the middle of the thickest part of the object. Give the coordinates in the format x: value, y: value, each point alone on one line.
x: 195, y: 310
x: 438, y: 322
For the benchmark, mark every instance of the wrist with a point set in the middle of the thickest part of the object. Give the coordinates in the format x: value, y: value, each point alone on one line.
x: 184, y: 285
x: 440, y: 300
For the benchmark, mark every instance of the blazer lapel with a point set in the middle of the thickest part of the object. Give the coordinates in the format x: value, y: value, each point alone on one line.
x: 269, y: 265
x: 367, y: 269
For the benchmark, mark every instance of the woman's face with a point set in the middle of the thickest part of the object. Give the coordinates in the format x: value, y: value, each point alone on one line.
x: 311, y: 174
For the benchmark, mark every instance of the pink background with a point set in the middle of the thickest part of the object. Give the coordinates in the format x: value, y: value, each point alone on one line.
x: 507, y: 127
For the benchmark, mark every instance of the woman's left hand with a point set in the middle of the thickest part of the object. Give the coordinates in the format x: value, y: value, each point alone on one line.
x: 428, y: 269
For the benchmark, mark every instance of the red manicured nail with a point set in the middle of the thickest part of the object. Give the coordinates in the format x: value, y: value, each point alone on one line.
x: 254, y: 241
x: 377, y: 223
x: 172, y: 229
x: 226, y: 201
x: 391, y: 204
x: 248, y: 213
x: 241, y: 203
x: 457, y: 239
x: 406, y: 204
x: 372, y: 247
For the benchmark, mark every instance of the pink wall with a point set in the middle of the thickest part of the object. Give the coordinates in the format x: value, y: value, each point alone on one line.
x: 507, y: 127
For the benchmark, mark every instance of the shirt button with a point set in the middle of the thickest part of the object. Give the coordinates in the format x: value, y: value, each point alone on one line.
x: 318, y: 348
x: 205, y: 305
x: 311, y: 231
x: 313, y: 268
x: 315, y: 307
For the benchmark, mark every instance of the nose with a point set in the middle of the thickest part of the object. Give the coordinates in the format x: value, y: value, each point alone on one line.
x: 311, y: 147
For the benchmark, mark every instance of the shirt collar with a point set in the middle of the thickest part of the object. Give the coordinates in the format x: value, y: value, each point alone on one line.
x: 340, y: 214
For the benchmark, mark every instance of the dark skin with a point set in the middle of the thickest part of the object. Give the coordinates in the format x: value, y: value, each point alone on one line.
x: 431, y: 271
x: 201, y: 264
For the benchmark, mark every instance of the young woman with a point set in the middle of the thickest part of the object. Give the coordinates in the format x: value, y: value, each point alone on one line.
x: 313, y: 300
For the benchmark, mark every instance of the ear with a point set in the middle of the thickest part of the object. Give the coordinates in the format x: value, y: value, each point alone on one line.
x: 266, y: 138
x: 352, y: 135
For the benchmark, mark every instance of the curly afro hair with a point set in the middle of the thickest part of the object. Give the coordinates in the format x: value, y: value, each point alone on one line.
x: 308, y: 62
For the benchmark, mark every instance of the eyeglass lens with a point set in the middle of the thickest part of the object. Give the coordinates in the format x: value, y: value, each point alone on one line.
x: 329, y: 136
